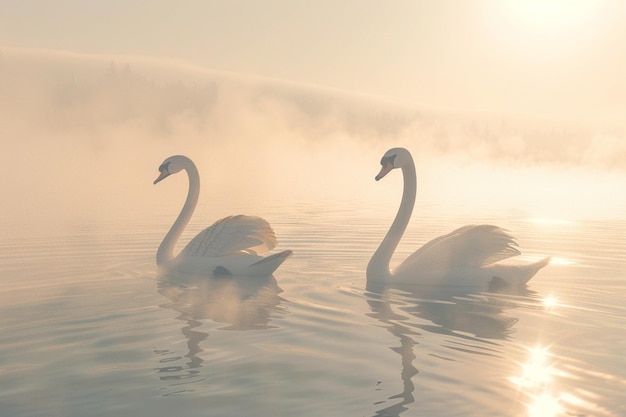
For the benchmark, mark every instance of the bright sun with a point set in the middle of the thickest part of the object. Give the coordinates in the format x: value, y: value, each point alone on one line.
x: 551, y: 17
x: 546, y: 26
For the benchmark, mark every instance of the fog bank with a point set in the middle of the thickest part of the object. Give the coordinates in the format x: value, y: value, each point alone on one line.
x: 83, y: 136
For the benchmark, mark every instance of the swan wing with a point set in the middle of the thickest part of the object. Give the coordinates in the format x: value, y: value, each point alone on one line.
x: 233, y: 235
x: 468, y: 246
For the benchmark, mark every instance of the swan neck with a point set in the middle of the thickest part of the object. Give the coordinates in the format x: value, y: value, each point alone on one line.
x: 165, y: 253
x: 378, y: 267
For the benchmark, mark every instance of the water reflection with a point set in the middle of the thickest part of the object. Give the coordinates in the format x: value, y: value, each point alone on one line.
x: 550, y: 303
x: 552, y: 385
x: 473, y: 318
x: 240, y: 303
x: 536, y: 382
x: 381, y: 307
x: 551, y: 382
x: 453, y: 311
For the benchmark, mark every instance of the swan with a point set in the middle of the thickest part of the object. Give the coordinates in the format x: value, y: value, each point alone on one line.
x: 231, y: 246
x: 467, y: 256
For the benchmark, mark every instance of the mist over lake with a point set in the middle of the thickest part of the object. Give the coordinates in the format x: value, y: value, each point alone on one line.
x: 89, y: 326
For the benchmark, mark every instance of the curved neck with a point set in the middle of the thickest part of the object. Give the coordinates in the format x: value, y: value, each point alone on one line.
x: 166, y: 249
x: 378, y: 267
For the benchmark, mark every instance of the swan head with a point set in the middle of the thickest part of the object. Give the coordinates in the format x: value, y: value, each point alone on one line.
x: 394, y: 158
x: 172, y: 165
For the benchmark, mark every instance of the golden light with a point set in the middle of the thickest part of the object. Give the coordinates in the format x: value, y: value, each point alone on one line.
x: 545, y: 405
x: 546, y: 29
x: 545, y: 221
x: 559, y: 260
x: 536, y: 372
x: 551, y: 17
x: 537, y: 382
x: 550, y: 302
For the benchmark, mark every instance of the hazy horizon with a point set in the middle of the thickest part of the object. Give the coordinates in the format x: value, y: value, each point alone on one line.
x: 507, y: 103
x: 552, y: 58
x: 86, y: 134
x: 513, y: 110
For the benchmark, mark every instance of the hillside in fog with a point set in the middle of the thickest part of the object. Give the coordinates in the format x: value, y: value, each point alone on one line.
x: 93, y: 128
x: 69, y: 93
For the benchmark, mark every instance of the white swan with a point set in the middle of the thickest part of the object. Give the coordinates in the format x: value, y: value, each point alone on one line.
x: 231, y: 246
x: 466, y: 256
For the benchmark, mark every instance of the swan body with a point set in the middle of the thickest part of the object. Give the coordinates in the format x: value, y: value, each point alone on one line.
x: 468, y: 256
x: 231, y: 246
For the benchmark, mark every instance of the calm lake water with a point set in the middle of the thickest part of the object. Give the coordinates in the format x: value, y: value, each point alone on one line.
x: 87, y: 328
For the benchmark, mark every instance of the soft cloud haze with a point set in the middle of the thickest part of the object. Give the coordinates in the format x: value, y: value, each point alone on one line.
x: 85, y: 134
x: 514, y: 112
x: 501, y: 102
x: 550, y: 58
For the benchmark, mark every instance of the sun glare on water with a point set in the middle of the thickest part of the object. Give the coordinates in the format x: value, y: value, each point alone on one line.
x: 537, y: 380
x: 545, y: 405
x: 536, y: 371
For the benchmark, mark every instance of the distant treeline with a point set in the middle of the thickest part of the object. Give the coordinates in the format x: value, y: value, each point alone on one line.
x: 69, y: 96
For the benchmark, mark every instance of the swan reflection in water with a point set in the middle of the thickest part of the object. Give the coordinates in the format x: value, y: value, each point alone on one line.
x: 443, y: 283
x: 240, y: 303
x: 471, y: 317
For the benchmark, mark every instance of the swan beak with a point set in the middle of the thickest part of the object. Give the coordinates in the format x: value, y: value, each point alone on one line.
x: 162, y: 176
x: 384, y: 170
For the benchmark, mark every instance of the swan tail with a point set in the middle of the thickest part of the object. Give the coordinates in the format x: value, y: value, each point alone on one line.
x: 532, y: 269
x: 514, y: 276
x: 269, y: 264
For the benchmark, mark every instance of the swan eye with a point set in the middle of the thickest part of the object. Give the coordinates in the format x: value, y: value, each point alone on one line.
x: 388, y: 159
x: 165, y: 167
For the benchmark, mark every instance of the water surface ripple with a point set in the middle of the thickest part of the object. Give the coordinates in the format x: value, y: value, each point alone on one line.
x: 88, y: 327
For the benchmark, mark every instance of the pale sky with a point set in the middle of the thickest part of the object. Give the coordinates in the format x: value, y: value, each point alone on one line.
x: 553, y: 58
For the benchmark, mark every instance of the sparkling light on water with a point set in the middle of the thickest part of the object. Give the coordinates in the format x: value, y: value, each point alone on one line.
x: 536, y: 372
x: 537, y: 381
x: 545, y: 405
x: 550, y: 302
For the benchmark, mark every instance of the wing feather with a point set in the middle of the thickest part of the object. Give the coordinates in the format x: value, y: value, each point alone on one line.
x: 232, y: 235
x: 471, y: 246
